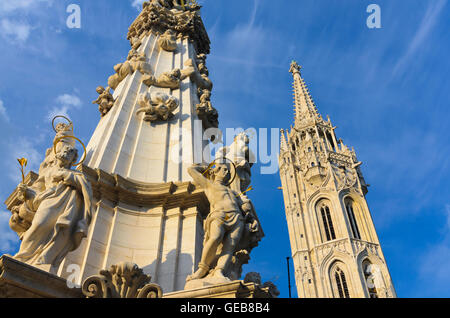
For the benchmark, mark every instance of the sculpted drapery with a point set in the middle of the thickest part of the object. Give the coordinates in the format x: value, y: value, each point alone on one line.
x: 60, y: 200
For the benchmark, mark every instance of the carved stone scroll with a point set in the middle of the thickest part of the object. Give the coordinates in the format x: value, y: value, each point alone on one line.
x: 124, y: 280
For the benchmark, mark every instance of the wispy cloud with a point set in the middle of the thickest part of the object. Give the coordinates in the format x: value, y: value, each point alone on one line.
x: 435, y: 268
x: 7, y: 6
x: 429, y: 20
x: 65, y: 103
x: 14, y: 30
x: 3, y: 112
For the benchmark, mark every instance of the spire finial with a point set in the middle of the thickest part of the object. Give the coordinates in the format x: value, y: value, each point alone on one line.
x: 295, y: 68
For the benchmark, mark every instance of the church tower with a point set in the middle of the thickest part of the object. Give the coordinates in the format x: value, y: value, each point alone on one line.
x: 335, y: 247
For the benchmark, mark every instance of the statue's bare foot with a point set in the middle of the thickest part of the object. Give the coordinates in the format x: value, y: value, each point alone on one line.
x: 200, y: 273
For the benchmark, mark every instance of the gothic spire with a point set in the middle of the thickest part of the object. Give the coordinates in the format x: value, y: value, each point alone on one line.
x: 303, y: 102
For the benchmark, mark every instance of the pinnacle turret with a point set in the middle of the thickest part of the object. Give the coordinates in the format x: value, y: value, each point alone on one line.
x: 283, y: 142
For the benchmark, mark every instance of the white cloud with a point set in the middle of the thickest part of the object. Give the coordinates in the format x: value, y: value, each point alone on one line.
x: 137, y: 4
x: 65, y: 103
x: 9, y: 240
x: 14, y: 30
x: 3, y: 112
x: 429, y: 20
x: 7, y: 6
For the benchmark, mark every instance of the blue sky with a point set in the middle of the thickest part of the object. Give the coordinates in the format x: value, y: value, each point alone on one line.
x: 386, y: 90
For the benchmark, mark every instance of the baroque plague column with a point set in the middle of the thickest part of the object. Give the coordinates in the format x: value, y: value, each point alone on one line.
x: 147, y: 210
x: 335, y: 248
x: 136, y: 214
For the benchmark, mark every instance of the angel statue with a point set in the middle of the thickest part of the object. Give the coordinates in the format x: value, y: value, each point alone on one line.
x: 58, y: 206
x: 231, y: 228
x: 105, y: 100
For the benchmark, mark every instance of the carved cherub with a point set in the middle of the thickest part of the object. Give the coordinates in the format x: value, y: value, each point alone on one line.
x: 157, y: 106
x: 206, y: 111
x: 168, y: 41
x: 122, y: 70
x: 105, y: 100
x: 171, y: 79
x: 205, y: 101
x: 201, y: 64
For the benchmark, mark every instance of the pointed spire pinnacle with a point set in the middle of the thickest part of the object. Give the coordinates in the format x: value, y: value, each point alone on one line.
x: 303, y: 102
x: 283, y: 142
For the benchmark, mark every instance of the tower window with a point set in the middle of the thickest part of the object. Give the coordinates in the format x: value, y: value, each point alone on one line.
x: 341, y: 283
x: 327, y: 223
x: 352, y: 219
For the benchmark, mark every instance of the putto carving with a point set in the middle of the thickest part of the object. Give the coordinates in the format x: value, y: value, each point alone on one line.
x: 139, y: 62
x: 157, y: 106
x: 168, y: 41
x: 55, y: 211
x: 122, y: 71
x: 124, y: 280
x: 105, y: 100
x: 171, y: 79
x: 239, y: 152
x: 135, y: 62
x: 199, y: 72
x: 206, y: 112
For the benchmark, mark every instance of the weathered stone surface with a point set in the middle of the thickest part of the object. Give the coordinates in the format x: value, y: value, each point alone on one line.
x: 20, y: 280
x: 158, y: 19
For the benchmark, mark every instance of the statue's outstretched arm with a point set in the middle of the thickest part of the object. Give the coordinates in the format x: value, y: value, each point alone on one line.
x: 194, y: 172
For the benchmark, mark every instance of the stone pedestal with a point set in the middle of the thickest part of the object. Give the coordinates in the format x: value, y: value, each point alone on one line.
x: 19, y: 280
x: 234, y: 289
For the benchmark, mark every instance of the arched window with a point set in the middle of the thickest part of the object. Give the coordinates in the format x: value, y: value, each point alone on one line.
x: 341, y: 283
x: 351, y: 218
x: 327, y: 222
